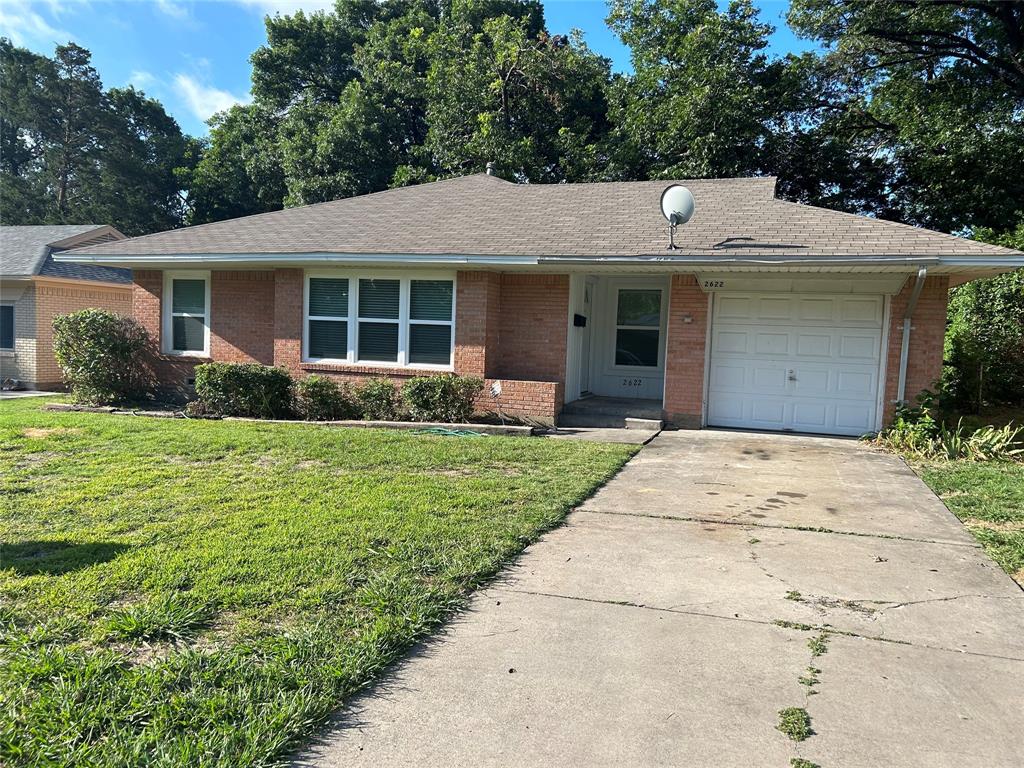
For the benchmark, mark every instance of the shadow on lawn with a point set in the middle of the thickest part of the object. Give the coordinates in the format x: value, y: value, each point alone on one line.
x: 30, y: 558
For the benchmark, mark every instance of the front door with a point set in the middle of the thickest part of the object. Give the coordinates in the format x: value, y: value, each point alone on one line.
x: 628, y: 347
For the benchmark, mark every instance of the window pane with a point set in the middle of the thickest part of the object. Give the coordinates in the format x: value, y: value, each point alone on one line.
x: 328, y: 297
x: 188, y: 334
x: 430, y: 344
x: 430, y: 300
x: 639, y: 308
x: 636, y: 347
x: 378, y: 298
x: 189, y: 296
x: 378, y: 341
x: 328, y: 338
x: 7, y: 327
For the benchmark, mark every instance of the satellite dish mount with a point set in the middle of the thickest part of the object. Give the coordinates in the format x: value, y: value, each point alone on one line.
x: 677, y: 206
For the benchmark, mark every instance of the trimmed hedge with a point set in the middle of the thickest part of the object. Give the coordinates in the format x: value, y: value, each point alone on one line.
x: 244, y: 389
x: 101, y: 355
x: 377, y: 400
x: 317, y: 398
x: 441, y: 398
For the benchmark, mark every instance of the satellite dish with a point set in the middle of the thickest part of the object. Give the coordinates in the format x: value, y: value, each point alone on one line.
x: 677, y: 204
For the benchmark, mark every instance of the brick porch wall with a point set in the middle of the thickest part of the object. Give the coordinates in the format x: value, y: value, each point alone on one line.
x: 684, y: 353
x: 927, y: 334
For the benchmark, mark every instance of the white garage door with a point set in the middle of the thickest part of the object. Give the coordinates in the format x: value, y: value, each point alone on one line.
x: 800, y: 362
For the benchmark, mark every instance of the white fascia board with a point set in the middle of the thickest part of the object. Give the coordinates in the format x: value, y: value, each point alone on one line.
x: 168, y: 260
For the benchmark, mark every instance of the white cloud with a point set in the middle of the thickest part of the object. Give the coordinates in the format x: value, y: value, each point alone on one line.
x: 205, y: 100
x: 20, y: 21
x: 173, y: 9
x: 141, y: 79
x: 287, y: 7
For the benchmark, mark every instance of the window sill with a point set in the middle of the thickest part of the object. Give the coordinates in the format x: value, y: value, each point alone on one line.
x: 374, y: 370
x: 196, y: 357
x: 8, y: 352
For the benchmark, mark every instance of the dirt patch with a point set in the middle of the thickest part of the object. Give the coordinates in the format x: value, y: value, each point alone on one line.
x: 310, y: 464
x: 38, y: 432
x: 33, y: 460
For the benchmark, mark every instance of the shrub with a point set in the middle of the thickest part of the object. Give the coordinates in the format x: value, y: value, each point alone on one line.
x: 244, y: 389
x: 441, y: 398
x: 101, y: 355
x: 318, y: 398
x: 377, y: 400
x: 917, y: 432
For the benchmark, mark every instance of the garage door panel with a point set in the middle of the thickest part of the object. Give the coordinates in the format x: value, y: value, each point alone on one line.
x: 805, y: 363
x: 776, y: 343
x: 815, y: 345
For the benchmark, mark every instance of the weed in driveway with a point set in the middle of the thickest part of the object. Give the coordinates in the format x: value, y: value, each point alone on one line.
x: 799, y: 762
x: 795, y: 723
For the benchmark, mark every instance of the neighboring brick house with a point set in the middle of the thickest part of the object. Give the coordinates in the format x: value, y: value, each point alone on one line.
x: 770, y: 315
x: 34, y: 288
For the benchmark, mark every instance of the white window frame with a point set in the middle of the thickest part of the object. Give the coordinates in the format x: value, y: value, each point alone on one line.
x: 403, y: 321
x: 14, y: 326
x: 167, y: 305
x: 660, y: 328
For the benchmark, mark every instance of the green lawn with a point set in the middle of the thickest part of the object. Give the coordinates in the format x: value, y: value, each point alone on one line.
x: 204, y: 593
x: 989, y: 498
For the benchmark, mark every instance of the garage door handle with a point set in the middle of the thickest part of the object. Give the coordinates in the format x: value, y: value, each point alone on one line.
x: 791, y: 375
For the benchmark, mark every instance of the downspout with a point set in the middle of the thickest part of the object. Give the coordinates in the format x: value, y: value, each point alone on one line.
x: 915, y: 294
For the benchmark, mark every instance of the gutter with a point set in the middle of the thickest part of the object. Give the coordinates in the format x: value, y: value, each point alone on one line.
x: 915, y: 294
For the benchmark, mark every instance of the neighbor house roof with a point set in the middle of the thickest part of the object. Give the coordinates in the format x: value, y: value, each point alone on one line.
x: 482, y: 215
x: 27, y: 251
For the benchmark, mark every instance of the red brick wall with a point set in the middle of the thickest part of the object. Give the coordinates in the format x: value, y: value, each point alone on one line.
x: 288, y: 319
x: 533, y: 327
x: 539, y: 401
x: 242, y: 317
x: 927, y: 333
x: 477, y: 317
x: 684, y: 358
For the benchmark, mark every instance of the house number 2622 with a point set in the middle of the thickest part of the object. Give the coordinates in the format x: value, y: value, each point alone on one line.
x: 632, y: 382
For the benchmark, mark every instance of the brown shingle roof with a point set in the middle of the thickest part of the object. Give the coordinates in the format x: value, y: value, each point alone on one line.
x: 484, y: 215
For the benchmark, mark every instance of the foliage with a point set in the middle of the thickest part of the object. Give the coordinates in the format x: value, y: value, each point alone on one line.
x: 71, y: 152
x: 302, y: 561
x: 378, y: 399
x: 101, y: 355
x: 921, y: 433
x: 795, y: 723
x: 244, y: 389
x: 989, y: 499
x: 318, y: 398
x: 447, y: 398
x: 985, y: 336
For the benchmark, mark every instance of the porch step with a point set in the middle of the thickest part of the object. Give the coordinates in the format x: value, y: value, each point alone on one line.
x: 607, y: 421
x: 619, y: 407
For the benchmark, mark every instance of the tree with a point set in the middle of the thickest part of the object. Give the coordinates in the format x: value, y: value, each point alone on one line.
x: 938, y: 89
x: 698, y: 103
x: 72, y: 152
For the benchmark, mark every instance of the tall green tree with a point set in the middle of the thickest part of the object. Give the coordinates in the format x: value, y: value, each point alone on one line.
x: 72, y: 152
x: 938, y: 89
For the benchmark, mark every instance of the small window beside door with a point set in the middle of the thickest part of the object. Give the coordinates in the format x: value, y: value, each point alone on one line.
x: 6, y: 326
x: 638, y: 327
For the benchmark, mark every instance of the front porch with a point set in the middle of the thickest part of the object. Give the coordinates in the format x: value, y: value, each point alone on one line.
x: 612, y: 412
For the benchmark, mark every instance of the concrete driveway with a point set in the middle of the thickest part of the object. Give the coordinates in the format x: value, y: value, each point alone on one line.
x: 720, y: 578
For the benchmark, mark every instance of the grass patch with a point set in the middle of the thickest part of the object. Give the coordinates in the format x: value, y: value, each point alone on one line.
x: 799, y: 762
x: 206, y: 592
x: 795, y: 723
x: 989, y: 498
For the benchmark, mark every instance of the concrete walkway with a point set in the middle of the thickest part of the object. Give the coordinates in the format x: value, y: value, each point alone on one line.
x: 669, y: 620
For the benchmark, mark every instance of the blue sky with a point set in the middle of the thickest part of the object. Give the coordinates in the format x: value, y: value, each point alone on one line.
x: 193, y: 55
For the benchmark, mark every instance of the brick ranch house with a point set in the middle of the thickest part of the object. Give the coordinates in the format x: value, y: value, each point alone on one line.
x: 770, y: 315
x: 34, y: 288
